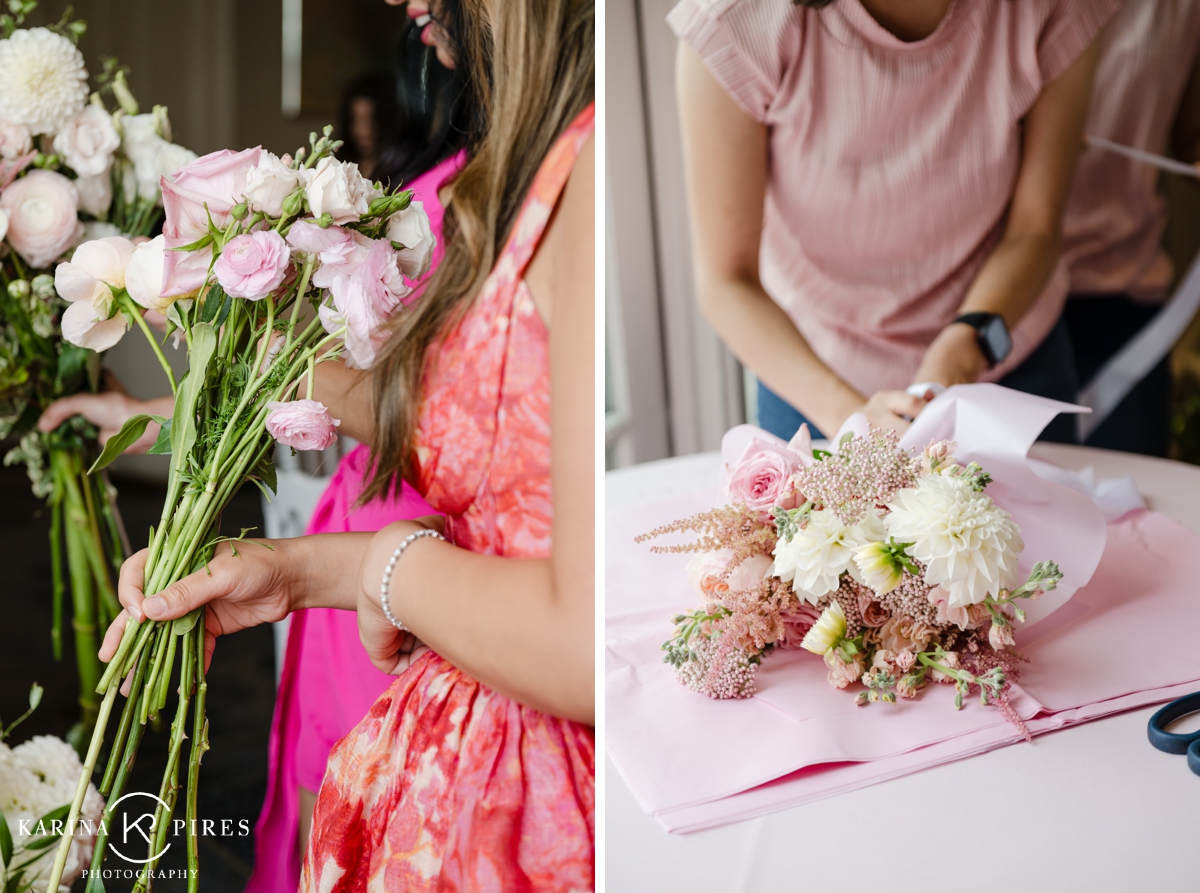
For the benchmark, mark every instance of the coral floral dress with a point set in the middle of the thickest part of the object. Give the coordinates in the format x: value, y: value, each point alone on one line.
x: 447, y: 785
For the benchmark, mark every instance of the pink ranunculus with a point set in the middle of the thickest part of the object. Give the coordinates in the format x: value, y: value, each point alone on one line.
x: 761, y: 477
x: 43, y: 216
x: 332, y: 245
x: 253, y: 265
x: 369, y: 270
x: 208, y: 187
x: 302, y: 424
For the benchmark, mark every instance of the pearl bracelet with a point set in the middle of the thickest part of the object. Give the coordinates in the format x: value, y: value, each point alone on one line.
x: 387, y: 574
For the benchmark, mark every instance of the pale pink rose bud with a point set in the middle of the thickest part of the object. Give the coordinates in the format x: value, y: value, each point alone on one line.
x: 302, y: 424
x: 43, y: 216
x: 253, y: 264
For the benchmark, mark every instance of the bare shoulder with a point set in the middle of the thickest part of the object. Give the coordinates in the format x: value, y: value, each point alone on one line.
x: 566, y: 255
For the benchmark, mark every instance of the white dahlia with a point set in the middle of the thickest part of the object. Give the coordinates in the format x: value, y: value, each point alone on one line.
x: 969, y: 545
x: 816, y: 556
x: 43, y: 81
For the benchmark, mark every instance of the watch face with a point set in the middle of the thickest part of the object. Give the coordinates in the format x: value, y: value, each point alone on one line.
x: 999, y: 342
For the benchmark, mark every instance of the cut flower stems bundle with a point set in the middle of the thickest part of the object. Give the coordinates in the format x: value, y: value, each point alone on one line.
x: 897, y: 570
x: 266, y: 267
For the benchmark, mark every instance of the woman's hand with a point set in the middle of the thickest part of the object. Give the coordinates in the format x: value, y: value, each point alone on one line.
x: 892, y: 409
x: 953, y: 358
x: 247, y: 583
x: 108, y: 411
x: 391, y: 650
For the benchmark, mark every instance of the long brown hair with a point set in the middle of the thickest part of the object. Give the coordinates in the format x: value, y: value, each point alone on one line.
x: 540, y: 76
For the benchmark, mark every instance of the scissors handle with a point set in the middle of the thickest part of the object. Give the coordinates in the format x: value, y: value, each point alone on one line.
x: 1171, y: 742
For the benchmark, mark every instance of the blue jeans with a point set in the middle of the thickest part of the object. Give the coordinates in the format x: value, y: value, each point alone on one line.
x: 1047, y: 372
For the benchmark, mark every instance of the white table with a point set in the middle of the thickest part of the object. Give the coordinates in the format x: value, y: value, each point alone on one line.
x: 1092, y: 808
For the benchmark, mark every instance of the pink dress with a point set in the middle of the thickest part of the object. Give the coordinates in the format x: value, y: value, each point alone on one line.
x: 892, y: 164
x: 447, y: 785
x: 328, y: 683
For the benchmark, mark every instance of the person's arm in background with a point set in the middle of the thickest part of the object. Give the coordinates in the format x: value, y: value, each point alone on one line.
x: 345, y: 392
x: 1022, y: 262
x: 725, y: 164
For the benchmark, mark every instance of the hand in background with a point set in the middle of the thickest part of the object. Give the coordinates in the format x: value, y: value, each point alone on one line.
x: 953, y: 358
x: 892, y: 409
x: 108, y: 411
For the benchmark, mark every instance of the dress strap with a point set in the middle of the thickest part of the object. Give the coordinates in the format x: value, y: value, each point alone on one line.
x: 547, y: 186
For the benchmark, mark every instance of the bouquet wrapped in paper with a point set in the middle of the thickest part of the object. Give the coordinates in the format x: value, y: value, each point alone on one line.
x: 896, y: 569
x: 71, y: 170
x: 266, y: 267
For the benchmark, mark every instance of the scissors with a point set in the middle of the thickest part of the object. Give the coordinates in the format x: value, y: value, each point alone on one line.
x: 1171, y: 742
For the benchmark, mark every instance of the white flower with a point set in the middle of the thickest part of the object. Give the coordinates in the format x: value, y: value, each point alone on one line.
x: 87, y: 141
x: 411, y: 229
x: 95, y: 192
x: 145, y: 141
x: 98, y: 229
x: 339, y: 190
x: 144, y: 275
x: 15, y: 140
x: 968, y: 545
x: 270, y: 182
x: 87, y: 281
x: 878, y: 567
x: 829, y: 629
x: 44, y: 78
x: 168, y: 159
x: 816, y: 556
x: 35, y: 778
x: 140, y: 136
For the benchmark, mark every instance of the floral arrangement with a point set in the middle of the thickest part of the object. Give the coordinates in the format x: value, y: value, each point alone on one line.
x: 37, y: 780
x: 70, y: 171
x: 897, y: 570
x: 266, y: 266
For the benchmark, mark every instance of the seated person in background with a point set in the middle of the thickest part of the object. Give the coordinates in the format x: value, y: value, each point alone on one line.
x: 1146, y: 95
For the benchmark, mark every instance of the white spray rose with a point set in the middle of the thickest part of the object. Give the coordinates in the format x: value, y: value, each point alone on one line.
x: 87, y: 141
x: 337, y: 188
x: 15, y: 139
x: 411, y: 229
x: 145, y: 143
x: 144, y: 275
x: 166, y: 161
x: 270, y: 182
x: 95, y: 193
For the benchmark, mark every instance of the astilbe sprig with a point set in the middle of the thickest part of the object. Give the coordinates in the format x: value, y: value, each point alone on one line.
x: 732, y: 527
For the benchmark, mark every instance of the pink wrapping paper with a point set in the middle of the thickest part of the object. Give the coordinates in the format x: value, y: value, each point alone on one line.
x: 696, y: 763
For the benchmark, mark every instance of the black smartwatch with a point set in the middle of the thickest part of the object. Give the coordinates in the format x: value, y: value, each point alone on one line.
x: 991, y: 333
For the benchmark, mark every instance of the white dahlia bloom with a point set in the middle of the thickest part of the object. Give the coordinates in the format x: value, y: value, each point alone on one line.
x: 969, y: 545
x: 828, y: 631
x: 815, y: 557
x: 44, y: 77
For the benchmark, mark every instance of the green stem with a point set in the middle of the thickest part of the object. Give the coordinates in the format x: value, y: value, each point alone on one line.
x: 136, y: 311
x: 83, y: 605
x: 114, y: 794
x: 56, y: 574
x: 127, y: 716
x: 195, y: 755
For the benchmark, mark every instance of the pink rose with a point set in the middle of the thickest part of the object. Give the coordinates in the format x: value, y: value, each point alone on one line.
x: 253, y: 265
x: 209, y: 186
x: 43, y: 216
x: 87, y: 142
x: 302, y: 424
x: 761, y: 477
x: 796, y: 625
x: 873, y: 613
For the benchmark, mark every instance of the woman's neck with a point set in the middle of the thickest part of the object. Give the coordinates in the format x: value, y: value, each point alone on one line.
x: 908, y: 20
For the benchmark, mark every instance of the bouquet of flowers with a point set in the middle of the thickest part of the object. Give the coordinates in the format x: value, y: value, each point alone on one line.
x: 37, y: 780
x: 897, y: 570
x: 70, y: 170
x: 266, y: 267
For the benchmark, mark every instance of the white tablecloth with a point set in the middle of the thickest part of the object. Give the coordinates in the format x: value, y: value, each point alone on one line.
x: 1093, y: 808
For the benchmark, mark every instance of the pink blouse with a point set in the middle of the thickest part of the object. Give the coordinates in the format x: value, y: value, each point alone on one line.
x: 1112, y: 233
x: 892, y: 164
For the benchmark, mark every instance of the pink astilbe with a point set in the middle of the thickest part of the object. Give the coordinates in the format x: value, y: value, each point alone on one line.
x: 732, y: 527
x: 756, y: 614
x: 864, y: 474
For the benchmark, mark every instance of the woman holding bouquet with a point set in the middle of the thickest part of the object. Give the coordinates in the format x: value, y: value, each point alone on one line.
x: 476, y: 769
x: 877, y: 191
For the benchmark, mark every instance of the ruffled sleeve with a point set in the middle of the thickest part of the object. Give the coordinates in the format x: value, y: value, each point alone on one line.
x: 746, y: 44
x: 1069, y: 29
